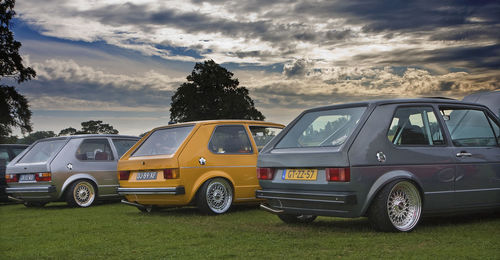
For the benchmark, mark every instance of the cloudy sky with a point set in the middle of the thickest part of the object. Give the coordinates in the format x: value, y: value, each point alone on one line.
x: 121, y: 62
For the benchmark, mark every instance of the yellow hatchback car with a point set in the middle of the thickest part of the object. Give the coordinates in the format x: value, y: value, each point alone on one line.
x: 210, y: 164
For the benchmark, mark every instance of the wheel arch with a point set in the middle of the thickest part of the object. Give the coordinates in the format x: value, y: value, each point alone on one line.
x: 386, y: 179
x: 207, y: 176
x: 76, y: 177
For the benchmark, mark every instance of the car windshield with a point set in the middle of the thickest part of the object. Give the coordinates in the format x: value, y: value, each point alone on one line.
x: 322, y: 128
x: 163, y: 141
x: 42, y: 151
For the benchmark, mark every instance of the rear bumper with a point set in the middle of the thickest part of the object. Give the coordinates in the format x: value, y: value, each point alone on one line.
x: 179, y: 190
x: 31, y: 189
x: 338, y: 204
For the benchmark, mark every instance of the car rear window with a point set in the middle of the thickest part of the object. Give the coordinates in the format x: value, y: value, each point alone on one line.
x: 322, y: 128
x: 42, y: 151
x: 163, y: 141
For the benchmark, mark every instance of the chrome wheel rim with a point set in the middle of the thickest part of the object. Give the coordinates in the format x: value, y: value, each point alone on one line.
x: 219, y: 196
x: 404, y: 206
x: 84, y: 194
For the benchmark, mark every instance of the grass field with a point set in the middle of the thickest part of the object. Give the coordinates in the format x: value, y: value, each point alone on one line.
x: 118, y: 231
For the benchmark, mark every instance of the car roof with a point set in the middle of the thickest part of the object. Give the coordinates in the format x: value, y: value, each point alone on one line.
x: 89, y: 135
x: 14, y: 145
x: 379, y: 102
x: 223, y: 121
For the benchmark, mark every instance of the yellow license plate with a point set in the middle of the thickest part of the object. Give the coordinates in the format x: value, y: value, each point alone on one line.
x: 300, y: 174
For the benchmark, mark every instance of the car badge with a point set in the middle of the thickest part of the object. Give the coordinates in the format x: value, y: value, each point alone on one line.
x: 202, y: 161
x: 381, y: 157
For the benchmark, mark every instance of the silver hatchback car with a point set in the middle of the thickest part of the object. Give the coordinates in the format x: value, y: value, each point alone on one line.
x: 390, y: 160
x: 76, y: 169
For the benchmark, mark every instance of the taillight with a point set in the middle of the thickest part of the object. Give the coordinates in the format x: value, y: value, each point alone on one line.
x: 338, y: 174
x: 170, y: 174
x: 43, y: 176
x: 265, y: 173
x: 123, y: 175
x: 11, y: 178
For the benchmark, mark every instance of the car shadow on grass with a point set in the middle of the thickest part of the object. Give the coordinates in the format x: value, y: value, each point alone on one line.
x: 459, y: 219
x: 64, y: 205
x: 193, y: 211
x: 363, y: 225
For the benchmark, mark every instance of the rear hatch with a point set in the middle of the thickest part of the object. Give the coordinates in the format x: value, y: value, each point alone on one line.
x: 153, y: 161
x: 311, y: 154
x: 35, y: 161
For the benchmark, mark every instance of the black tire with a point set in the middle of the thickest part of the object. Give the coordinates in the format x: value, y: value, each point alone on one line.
x: 215, y: 196
x: 297, y: 219
x: 396, y: 208
x: 81, y: 194
x: 34, y: 204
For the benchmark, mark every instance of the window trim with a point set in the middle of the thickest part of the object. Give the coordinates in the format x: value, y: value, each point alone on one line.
x: 440, y: 124
x: 95, y: 138
x: 252, y: 152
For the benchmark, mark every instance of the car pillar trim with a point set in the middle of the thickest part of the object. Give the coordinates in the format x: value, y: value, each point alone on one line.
x: 179, y: 190
x: 34, y: 189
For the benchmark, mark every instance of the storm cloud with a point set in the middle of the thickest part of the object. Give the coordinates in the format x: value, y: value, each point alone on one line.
x: 290, y: 54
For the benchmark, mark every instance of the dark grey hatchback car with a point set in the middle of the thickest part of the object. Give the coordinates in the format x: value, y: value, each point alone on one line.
x: 390, y: 160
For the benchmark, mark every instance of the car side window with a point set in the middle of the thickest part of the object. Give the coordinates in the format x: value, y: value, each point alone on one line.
x: 496, y: 129
x: 230, y: 139
x: 415, y: 126
x: 17, y: 151
x: 470, y: 127
x: 263, y: 134
x: 94, y: 150
x: 122, y: 145
x: 4, y: 155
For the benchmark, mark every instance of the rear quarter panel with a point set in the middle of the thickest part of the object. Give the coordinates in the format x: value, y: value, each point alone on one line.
x: 431, y: 168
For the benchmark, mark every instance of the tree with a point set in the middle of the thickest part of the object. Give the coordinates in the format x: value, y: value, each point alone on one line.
x: 211, y: 93
x: 68, y: 131
x: 97, y: 127
x: 14, y: 107
x: 90, y: 127
x: 32, y: 137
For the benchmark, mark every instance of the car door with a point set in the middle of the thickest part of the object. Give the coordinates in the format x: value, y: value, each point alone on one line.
x: 231, y: 151
x: 95, y: 157
x: 475, y: 135
x: 419, y: 147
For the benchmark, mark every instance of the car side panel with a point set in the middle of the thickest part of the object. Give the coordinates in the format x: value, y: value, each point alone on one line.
x: 477, y: 182
x: 433, y: 167
x: 238, y: 169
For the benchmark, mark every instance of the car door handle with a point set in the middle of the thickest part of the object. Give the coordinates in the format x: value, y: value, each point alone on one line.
x: 464, y: 154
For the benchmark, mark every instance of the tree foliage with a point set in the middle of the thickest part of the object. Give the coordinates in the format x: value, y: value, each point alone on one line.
x: 90, y: 127
x: 68, y: 131
x: 14, y: 107
x: 211, y: 93
x: 14, y: 112
x: 32, y: 137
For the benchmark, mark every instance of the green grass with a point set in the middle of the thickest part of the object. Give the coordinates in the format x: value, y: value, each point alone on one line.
x: 118, y: 231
